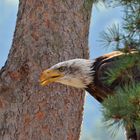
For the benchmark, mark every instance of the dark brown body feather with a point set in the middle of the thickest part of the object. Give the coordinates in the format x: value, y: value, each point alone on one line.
x: 99, y: 89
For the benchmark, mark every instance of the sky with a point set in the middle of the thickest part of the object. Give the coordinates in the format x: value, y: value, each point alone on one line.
x: 92, y: 127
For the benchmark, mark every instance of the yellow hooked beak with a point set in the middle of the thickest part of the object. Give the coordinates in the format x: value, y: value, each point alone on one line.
x: 49, y: 76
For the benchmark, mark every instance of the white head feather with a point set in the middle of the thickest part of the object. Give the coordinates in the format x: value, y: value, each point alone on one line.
x: 77, y: 72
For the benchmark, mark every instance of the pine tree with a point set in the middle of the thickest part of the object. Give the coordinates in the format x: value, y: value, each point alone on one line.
x: 123, y: 109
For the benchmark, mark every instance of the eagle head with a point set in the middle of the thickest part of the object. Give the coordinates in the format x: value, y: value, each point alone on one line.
x: 76, y: 72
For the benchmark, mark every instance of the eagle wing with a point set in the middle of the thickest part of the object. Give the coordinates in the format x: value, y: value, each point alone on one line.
x: 99, y: 89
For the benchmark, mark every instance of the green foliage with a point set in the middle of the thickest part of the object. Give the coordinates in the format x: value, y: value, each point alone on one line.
x: 127, y: 35
x: 111, y: 37
x: 123, y: 109
x: 122, y: 69
x: 121, y: 2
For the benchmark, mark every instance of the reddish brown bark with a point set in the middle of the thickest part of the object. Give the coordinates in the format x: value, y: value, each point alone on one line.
x: 47, y: 31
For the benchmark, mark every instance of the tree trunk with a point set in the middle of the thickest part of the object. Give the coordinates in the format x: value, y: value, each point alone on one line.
x: 138, y: 135
x: 47, y: 32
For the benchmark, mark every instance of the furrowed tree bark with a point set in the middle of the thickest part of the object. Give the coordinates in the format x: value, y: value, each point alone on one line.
x: 47, y: 32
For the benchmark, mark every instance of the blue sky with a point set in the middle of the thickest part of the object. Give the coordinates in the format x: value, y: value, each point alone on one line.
x: 92, y: 128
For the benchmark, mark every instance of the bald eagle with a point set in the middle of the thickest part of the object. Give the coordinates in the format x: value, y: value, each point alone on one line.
x: 85, y: 74
x: 91, y: 75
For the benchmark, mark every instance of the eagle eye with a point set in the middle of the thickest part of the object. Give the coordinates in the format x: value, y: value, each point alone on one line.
x: 62, y: 69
